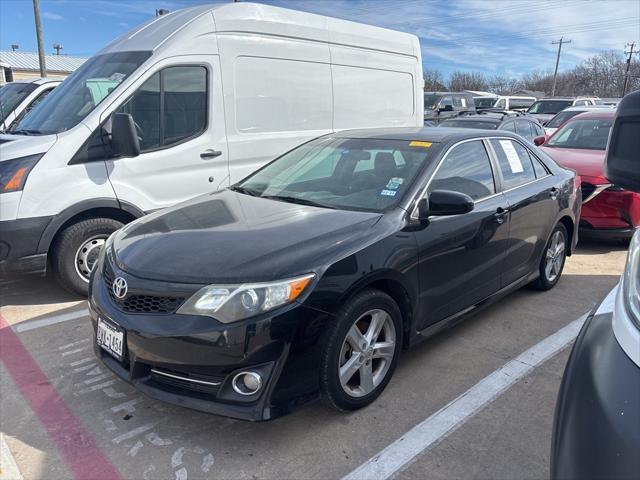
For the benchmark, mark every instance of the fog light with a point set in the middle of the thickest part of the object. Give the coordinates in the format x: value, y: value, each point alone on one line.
x: 247, y: 383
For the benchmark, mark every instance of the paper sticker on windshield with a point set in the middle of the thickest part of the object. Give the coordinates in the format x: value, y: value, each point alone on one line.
x: 117, y: 77
x: 417, y: 143
x: 388, y: 193
x: 395, y: 183
x: 512, y: 156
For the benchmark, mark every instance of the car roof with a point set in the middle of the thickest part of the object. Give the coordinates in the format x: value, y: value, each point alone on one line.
x: 601, y: 114
x: 426, y: 134
x: 485, y: 117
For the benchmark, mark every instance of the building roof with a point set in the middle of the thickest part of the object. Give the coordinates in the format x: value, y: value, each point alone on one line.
x: 29, y: 61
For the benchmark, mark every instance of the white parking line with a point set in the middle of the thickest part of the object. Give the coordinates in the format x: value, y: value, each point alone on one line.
x: 8, y: 467
x: 439, y: 425
x: 44, y: 322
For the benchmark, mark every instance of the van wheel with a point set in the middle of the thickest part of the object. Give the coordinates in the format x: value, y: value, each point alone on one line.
x: 553, y: 259
x: 76, y: 250
x: 360, y: 351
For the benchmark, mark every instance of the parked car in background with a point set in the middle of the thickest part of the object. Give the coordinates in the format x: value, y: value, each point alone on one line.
x: 527, y: 127
x: 545, y: 109
x: 307, y: 278
x: 611, y: 102
x: 439, y: 106
x: 608, y: 211
x: 596, y: 429
x: 143, y: 125
x: 19, y: 97
x: 560, y: 118
x: 483, y: 102
x: 508, y: 102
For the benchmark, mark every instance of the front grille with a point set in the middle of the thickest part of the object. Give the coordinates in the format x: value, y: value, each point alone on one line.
x: 137, y: 303
x: 587, y: 190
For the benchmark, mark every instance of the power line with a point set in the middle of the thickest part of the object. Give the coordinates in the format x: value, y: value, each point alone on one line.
x: 555, y: 73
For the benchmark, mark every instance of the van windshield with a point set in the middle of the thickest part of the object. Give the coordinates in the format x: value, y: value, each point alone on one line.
x: 11, y: 95
x: 79, y: 94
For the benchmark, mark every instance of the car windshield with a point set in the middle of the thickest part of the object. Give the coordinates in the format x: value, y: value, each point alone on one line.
x: 11, y: 95
x: 591, y: 134
x: 549, y: 106
x: 79, y: 94
x: 431, y: 100
x: 469, y: 124
x: 484, y: 102
x: 342, y: 173
x: 561, y: 118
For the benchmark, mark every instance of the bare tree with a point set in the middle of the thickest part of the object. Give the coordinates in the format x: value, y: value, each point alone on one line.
x: 467, y: 81
x: 434, y: 81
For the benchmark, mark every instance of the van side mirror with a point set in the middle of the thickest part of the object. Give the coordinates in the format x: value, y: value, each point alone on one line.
x: 444, y: 202
x: 622, y: 162
x: 124, y: 138
x: 537, y: 141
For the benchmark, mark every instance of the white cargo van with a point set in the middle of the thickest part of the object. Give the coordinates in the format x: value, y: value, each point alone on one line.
x: 185, y: 104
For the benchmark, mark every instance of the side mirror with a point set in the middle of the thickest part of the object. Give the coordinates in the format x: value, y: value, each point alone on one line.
x: 124, y: 138
x: 622, y: 162
x: 539, y: 140
x: 446, y: 108
x: 444, y: 202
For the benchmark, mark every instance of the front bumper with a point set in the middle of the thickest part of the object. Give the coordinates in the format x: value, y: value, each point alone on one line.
x: 283, y: 348
x: 596, y: 430
x: 19, y: 246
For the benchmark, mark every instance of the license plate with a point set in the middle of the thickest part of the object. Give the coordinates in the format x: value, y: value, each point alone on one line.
x: 110, y: 338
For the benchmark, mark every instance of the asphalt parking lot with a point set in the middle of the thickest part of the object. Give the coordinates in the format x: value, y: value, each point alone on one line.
x: 63, y: 415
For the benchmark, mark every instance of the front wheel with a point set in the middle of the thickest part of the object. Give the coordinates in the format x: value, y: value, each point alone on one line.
x: 361, y: 351
x: 76, y: 250
x: 553, y: 259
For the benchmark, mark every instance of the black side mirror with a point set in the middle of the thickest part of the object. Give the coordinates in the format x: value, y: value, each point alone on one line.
x: 124, y: 138
x: 446, y: 108
x: 622, y: 163
x: 444, y: 202
x: 539, y: 140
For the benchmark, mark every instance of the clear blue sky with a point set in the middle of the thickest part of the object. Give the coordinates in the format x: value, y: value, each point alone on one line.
x: 498, y: 36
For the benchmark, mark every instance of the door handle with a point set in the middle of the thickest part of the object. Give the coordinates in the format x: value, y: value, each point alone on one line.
x: 500, y: 215
x: 211, y: 153
x: 553, y: 193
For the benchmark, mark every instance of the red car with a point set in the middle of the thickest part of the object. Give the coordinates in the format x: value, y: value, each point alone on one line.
x: 608, y: 211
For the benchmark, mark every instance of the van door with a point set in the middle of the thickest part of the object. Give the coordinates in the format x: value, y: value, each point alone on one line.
x: 180, y: 124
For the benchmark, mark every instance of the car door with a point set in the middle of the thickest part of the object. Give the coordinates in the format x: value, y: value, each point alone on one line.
x: 461, y: 256
x: 179, y: 121
x: 531, y: 196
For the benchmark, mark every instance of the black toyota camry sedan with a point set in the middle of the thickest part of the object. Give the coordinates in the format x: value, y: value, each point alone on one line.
x: 306, y: 279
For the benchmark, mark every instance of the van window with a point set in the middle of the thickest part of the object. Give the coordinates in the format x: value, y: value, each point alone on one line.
x: 275, y: 95
x: 502, y: 103
x: 521, y: 103
x: 170, y: 106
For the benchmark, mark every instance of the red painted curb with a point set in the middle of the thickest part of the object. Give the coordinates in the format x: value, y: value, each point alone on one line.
x: 73, y: 441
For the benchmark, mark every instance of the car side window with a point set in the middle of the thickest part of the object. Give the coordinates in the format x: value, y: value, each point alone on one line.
x: 457, y: 101
x: 170, y: 107
x: 502, y: 103
x: 509, y: 127
x: 514, y: 161
x: 523, y: 127
x: 446, y: 101
x: 466, y: 169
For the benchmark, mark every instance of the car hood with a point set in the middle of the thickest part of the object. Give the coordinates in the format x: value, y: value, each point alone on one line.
x: 229, y: 237
x: 588, y: 163
x: 16, y: 146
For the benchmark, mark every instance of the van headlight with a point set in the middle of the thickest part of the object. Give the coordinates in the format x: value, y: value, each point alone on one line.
x: 631, y: 280
x: 230, y: 303
x: 14, y: 172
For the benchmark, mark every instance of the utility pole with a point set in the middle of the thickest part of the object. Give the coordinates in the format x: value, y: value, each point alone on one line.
x: 626, y: 74
x: 555, y: 73
x: 36, y: 14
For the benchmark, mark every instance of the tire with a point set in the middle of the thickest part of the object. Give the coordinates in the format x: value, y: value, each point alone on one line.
x: 546, y: 281
x: 71, y: 266
x: 337, y: 350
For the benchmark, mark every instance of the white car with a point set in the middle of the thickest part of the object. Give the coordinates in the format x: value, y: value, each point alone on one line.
x: 17, y: 98
x: 186, y: 104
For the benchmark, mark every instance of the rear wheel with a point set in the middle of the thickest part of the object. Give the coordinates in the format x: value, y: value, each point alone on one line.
x: 553, y: 259
x: 76, y: 250
x: 361, y: 351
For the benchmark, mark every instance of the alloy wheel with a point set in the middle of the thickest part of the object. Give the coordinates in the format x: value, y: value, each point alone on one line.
x: 555, y: 256
x: 367, y: 353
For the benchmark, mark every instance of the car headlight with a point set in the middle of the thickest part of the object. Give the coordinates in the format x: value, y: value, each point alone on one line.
x: 14, y: 172
x: 230, y: 303
x: 631, y: 280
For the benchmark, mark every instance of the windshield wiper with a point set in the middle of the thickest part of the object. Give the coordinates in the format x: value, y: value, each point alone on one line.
x: 26, y: 132
x: 299, y: 201
x: 246, y: 191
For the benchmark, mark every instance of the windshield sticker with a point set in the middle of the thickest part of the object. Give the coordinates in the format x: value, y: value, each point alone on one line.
x: 395, y: 183
x: 416, y: 143
x: 388, y: 193
x: 117, y: 77
x: 512, y: 156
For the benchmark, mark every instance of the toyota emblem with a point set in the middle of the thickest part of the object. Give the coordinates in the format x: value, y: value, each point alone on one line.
x: 119, y: 287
